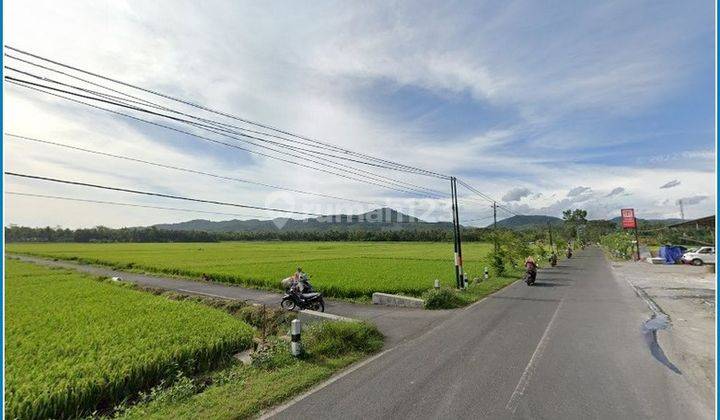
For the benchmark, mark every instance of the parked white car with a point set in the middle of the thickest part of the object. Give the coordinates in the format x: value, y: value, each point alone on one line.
x: 700, y: 256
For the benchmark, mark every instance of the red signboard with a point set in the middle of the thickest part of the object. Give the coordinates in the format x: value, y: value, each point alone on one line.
x: 628, y: 218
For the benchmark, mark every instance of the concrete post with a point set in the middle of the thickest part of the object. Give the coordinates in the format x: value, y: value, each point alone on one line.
x: 295, y: 344
x: 437, y: 284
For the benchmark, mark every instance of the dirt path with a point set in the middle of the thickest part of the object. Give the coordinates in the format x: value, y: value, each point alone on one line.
x: 398, y: 324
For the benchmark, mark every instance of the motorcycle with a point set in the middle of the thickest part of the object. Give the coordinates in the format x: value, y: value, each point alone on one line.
x: 301, y: 296
x: 530, y: 274
x: 553, y: 259
x: 569, y: 253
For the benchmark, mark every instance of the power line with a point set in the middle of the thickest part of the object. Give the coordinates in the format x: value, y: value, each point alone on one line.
x: 338, y: 166
x: 221, y: 142
x: 215, y: 125
x: 177, y: 168
x: 154, y: 194
x: 244, y: 120
x: 116, y: 203
x: 487, y: 197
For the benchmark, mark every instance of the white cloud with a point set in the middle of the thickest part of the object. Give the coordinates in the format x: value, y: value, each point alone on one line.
x: 670, y: 184
x: 516, y: 194
x: 695, y: 199
x: 616, y: 191
x: 299, y: 67
x: 578, y: 191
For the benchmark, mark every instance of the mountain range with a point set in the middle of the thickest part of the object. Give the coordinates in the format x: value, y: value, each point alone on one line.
x: 378, y: 219
x: 382, y: 219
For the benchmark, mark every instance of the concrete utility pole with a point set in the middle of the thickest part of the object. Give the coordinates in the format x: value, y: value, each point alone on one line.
x: 495, y: 238
x: 551, y: 241
x: 456, y: 234
x: 637, y: 240
x: 682, y: 211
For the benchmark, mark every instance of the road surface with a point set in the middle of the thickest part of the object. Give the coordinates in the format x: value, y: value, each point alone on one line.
x: 570, y: 347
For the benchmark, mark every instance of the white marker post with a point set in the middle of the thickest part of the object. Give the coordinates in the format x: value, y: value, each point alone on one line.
x: 487, y: 274
x: 437, y: 284
x: 295, y: 344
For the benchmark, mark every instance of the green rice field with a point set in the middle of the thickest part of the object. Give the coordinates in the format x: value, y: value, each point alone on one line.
x: 75, y: 344
x: 339, y: 269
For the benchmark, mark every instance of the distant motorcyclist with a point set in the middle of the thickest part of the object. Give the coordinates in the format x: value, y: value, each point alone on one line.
x: 530, y: 263
x: 553, y: 259
x: 530, y: 270
x: 568, y: 253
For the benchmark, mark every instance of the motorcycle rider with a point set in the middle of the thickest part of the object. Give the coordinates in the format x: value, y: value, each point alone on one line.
x: 530, y: 263
x: 531, y: 268
x: 300, y: 282
x: 553, y: 259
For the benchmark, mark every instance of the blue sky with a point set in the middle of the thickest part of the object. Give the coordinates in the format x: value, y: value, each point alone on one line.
x: 512, y: 96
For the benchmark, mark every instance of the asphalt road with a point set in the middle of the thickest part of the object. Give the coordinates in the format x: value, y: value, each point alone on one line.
x: 397, y: 324
x: 570, y: 347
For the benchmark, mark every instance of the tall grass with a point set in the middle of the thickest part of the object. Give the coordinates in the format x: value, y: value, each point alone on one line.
x: 338, y: 269
x: 75, y: 345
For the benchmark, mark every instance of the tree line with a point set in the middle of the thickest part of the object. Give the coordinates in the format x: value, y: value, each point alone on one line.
x: 153, y: 234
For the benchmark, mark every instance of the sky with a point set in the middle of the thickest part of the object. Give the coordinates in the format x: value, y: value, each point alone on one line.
x: 544, y: 106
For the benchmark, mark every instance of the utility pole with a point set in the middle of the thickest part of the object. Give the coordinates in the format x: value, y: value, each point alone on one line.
x: 682, y: 212
x: 551, y: 241
x: 456, y: 234
x: 637, y: 240
x: 495, y: 238
x: 459, y: 236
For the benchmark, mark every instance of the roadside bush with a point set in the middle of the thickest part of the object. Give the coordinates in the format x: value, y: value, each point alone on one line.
x: 497, y: 263
x: 333, y: 339
x: 619, y: 245
x: 274, y: 355
x: 268, y: 321
x: 442, y: 299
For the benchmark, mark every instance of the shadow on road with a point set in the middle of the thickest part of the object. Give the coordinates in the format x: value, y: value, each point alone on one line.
x: 525, y: 298
x: 546, y: 284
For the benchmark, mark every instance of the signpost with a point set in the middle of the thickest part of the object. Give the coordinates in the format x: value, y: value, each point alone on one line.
x: 629, y: 221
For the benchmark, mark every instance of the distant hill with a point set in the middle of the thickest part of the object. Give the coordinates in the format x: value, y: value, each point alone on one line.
x: 383, y: 219
x: 378, y: 219
x: 527, y: 222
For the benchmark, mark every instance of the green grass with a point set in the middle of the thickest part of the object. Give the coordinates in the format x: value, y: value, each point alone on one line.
x: 75, y: 344
x: 340, y: 269
x: 449, y: 298
x: 243, y: 391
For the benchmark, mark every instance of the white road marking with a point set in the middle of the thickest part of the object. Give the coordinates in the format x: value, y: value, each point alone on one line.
x: 280, y: 409
x: 530, y: 368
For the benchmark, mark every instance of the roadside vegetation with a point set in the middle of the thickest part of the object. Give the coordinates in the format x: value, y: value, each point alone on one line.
x: 241, y: 391
x: 351, y: 270
x: 75, y: 345
x: 620, y: 245
x: 79, y: 346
